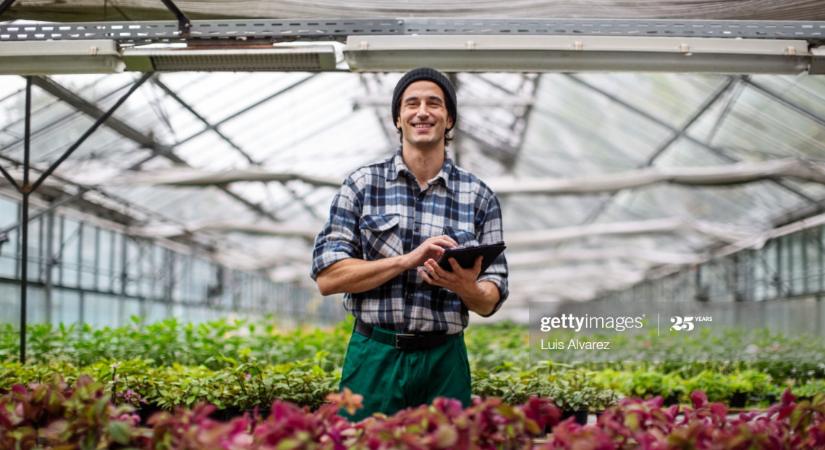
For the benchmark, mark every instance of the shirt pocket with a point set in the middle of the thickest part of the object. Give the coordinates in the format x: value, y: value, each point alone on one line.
x: 465, y: 238
x: 380, y: 236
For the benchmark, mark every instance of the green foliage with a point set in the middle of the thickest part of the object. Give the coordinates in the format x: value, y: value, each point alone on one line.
x: 215, y: 344
x: 241, y: 387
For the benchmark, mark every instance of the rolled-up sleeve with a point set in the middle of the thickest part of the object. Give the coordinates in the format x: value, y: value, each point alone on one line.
x: 340, y: 238
x: 491, y: 233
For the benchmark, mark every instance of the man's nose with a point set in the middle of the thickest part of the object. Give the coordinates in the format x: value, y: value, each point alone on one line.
x: 422, y: 109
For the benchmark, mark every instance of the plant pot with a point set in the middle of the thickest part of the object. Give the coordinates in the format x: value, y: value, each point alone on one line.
x: 580, y: 417
x: 226, y: 414
x: 146, y: 411
x: 738, y: 400
x: 672, y: 399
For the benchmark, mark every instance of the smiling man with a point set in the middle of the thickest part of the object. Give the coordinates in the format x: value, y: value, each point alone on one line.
x: 389, y: 224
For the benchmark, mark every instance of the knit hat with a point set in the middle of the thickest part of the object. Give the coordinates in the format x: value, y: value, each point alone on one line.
x: 425, y: 73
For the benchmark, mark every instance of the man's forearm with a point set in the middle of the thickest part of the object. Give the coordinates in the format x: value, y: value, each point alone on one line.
x: 483, y: 299
x: 355, y: 275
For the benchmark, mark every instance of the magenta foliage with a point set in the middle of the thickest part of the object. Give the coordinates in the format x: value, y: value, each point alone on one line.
x: 648, y: 425
x: 51, y: 414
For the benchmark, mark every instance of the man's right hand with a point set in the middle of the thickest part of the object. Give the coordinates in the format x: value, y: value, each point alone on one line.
x: 433, y: 248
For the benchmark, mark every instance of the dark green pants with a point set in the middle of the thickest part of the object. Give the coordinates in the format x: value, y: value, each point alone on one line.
x: 392, y: 379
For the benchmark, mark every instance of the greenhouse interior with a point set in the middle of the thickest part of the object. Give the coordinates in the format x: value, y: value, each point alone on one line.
x: 169, y: 169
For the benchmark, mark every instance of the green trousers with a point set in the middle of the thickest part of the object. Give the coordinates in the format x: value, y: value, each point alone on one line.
x: 392, y: 379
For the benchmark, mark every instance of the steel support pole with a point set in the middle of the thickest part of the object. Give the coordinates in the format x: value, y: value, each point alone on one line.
x: 25, y: 189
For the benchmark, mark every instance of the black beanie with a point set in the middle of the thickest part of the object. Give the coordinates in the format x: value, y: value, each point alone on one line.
x: 425, y: 73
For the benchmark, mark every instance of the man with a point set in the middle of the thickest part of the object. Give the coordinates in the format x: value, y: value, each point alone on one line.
x: 389, y: 225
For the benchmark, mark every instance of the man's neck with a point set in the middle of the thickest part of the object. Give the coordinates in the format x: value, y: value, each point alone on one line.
x: 425, y: 163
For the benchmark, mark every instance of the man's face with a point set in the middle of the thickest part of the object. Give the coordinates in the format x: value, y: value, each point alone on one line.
x: 423, y: 117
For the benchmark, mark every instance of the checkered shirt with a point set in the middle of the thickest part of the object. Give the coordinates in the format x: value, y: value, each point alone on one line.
x: 380, y: 211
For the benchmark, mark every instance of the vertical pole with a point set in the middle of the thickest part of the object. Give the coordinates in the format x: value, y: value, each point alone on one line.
x: 24, y: 240
x: 48, y: 265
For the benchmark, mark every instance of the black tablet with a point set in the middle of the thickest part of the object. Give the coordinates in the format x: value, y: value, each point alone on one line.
x: 466, y: 256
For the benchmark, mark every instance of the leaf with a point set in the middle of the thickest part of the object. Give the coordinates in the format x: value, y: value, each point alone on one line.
x: 120, y: 432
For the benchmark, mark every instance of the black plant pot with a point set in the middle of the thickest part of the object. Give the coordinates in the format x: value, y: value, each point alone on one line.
x: 738, y: 400
x: 580, y: 417
x: 226, y: 414
x: 146, y: 411
x: 672, y: 399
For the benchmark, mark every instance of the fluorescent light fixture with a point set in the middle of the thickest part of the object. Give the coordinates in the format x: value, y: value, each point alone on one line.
x: 302, y: 58
x: 488, y: 53
x: 59, y: 57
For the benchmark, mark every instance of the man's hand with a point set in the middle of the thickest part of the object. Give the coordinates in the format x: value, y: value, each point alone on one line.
x: 461, y: 281
x: 480, y: 297
x: 432, y: 248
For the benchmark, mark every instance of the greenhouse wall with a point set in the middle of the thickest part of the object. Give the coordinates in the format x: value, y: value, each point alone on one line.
x: 779, y: 286
x: 87, y: 272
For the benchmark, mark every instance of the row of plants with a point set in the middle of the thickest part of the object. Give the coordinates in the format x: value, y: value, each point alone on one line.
x: 215, y: 344
x: 649, y: 425
x: 594, y: 390
x: 55, y: 415
x: 247, y: 385
x: 224, y: 343
x: 233, y: 389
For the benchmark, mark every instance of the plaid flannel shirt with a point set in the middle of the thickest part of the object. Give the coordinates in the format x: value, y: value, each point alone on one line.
x: 380, y: 211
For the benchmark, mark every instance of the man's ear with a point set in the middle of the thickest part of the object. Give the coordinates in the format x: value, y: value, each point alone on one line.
x: 450, y: 122
x: 398, y: 123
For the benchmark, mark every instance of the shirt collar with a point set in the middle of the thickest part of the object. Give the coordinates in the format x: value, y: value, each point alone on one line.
x: 398, y: 166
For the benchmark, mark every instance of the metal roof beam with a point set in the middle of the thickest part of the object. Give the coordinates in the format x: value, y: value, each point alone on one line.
x: 716, y: 150
x: 157, y: 82
x: 133, y: 134
x: 229, y: 141
x: 56, y: 121
x: 247, y: 108
x: 785, y: 101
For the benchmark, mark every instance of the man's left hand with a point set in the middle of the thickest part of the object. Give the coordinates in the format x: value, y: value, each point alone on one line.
x: 461, y: 281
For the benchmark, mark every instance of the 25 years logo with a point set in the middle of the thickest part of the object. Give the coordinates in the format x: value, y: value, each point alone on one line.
x: 681, y: 323
x: 686, y: 323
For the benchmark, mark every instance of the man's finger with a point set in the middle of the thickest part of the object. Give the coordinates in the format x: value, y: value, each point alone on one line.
x: 444, y: 276
x: 450, y: 240
x: 454, y: 264
x: 432, y: 267
x: 445, y: 241
x: 425, y: 276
